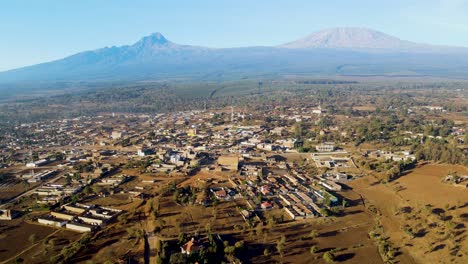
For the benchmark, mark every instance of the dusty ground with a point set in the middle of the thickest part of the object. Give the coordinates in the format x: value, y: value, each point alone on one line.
x: 15, y: 237
x: 348, y: 235
x: 47, y: 248
x: 423, y: 215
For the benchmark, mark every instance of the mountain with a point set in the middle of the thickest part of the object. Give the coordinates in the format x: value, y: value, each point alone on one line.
x: 331, y: 52
x: 352, y: 38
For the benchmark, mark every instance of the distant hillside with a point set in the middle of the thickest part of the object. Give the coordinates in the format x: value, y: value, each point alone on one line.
x: 339, y: 51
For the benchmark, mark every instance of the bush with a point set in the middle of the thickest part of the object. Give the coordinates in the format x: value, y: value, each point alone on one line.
x: 313, y: 249
x: 329, y: 256
x: 32, y: 238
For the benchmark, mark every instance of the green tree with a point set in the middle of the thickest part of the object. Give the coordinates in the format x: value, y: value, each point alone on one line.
x: 329, y: 256
x: 313, y: 249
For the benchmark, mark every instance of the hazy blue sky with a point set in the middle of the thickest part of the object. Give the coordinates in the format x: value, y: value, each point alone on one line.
x: 34, y: 31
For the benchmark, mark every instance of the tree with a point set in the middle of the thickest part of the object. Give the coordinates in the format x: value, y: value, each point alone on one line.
x: 327, y: 200
x: 97, y: 189
x: 344, y: 203
x: 182, y: 238
x: 177, y: 258
x: 68, y: 179
x: 329, y: 256
x: 313, y: 249
x: 123, y: 218
x: 87, y: 190
x: 280, y: 245
x: 313, y: 234
x: 32, y: 238
x: 77, y: 176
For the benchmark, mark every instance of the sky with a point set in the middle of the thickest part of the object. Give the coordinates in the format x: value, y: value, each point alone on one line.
x: 35, y: 31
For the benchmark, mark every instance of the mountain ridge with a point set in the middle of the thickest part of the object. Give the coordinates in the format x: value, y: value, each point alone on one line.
x: 362, y: 51
x: 349, y: 37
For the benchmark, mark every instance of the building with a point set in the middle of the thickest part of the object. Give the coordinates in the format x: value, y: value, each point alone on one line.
x: 79, y: 227
x: 51, y: 221
x: 341, y: 176
x: 36, y: 164
x: 332, y: 186
x: 327, y: 147
x: 190, y: 247
x: 229, y: 162
x: 117, y: 134
x: 266, y: 205
x: 62, y: 215
x: 7, y: 214
x: 142, y: 152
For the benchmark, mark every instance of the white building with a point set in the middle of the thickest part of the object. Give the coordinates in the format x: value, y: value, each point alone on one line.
x: 327, y: 147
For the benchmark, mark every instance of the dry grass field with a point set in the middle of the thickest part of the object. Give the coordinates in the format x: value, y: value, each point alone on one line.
x: 16, y: 237
x: 421, y: 214
x: 423, y: 218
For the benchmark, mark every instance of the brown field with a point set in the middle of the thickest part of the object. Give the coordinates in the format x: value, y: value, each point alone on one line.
x: 434, y: 213
x: 346, y: 234
x: 12, y: 189
x: 13, y: 186
x: 14, y: 236
x: 364, y: 108
x: 47, y: 248
x: 117, y: 201
x: 195, y: 218
x: 198, y: 179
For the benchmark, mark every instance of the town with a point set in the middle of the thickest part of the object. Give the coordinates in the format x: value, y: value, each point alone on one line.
x: 180, y: 186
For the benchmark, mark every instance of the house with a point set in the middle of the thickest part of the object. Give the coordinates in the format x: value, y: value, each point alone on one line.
x: 246, y: 214
x: 220, y: 194
x: 317, y: 110
x: 280, y: 131
x: 341, y: 176
x: 266, y: 205
x: 142, y: 152
x: 327, y: 147
x: 265, y: 190
x: 177, y: 160
x: 190, y: 247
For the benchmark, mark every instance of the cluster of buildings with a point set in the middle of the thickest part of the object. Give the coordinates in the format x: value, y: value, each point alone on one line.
x: 79, y: 217
x: 40, y: 176
x: 53, y: 193
x: 389, y: 155
x: 94, y: 149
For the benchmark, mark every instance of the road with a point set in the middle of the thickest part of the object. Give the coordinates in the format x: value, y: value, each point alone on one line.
x: 29, y: 192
